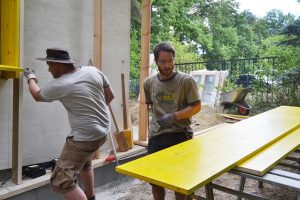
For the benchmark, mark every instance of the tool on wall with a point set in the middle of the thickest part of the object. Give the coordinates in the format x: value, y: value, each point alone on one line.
x: 119, y: 135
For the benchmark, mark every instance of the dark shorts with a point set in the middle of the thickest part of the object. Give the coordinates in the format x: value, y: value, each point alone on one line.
x: 75, y: 156
x: 166, y: 140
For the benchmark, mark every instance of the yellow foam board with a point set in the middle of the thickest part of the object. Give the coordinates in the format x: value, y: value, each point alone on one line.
x: 10, y: 68
x: 190, y: 165
x: 261, y: 163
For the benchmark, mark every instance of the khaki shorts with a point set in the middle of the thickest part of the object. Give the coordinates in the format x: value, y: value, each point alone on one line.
x: 75, y: 156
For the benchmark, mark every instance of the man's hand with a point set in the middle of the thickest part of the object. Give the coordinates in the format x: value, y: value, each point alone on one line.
x: 29, y: 74
x: 166, y: 120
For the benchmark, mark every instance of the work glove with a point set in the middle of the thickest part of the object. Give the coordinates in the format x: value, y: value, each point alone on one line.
x: 166, y: 120
x: 29, y: 74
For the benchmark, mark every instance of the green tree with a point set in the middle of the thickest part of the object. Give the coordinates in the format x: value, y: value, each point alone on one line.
x: 135, y: 39
x: 275, y: 21
x: 185, y: 53
x: 292, y: 30
x: 212, y: 28
x: 288, y: 56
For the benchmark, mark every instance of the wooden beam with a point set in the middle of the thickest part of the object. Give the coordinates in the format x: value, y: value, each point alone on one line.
x: 144, y: 70
x: 17, y: 107
x: 125, y: 120
x: 98, y: 34
x: 16, y: 144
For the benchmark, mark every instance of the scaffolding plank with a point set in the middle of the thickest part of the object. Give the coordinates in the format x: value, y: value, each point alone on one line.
x: 265, y: 160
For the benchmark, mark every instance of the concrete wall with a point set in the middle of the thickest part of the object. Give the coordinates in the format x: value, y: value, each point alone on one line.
x: 67, y: 24
x: 116, y: 34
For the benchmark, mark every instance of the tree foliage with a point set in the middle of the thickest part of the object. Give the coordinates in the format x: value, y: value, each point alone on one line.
x: 287, y: 55
x: 292, y: 29
x: 212, y: 30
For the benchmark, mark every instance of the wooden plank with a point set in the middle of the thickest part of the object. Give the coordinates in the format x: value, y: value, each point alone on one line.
x: 16, y: 143
x: 17, y: 102
x: 199, y: 161
x: 119, y: 135
x: 235, y: 117
x: 120, y: 141
x: 98, y: 34
x: 144, y: 70
x: 125, y: 122
x: 141, y: 143
x: 129, y: 137
x: 265, y: 160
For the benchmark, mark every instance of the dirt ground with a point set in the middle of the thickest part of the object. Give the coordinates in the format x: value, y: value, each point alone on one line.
x: 134, y: 189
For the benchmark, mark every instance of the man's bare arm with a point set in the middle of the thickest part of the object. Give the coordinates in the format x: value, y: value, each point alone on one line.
x: 35, y: 90
x: 188, y: 112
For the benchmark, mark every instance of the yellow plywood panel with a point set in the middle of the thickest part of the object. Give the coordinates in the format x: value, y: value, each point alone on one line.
x: 10, y: 68
x: 10, y: 37
x: 192, y: 164
x: 265, y: 160
x: 7, y: 72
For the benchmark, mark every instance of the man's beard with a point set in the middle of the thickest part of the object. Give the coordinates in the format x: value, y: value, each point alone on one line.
x: 166, y: 73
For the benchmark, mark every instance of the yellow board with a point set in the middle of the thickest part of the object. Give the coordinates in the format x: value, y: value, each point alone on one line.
x: 265, y: 160
x: 190, y: 165
x: 10, y: 68
x: 10, y: 38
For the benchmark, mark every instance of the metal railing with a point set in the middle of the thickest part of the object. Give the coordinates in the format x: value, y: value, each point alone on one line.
x: 270, y: 81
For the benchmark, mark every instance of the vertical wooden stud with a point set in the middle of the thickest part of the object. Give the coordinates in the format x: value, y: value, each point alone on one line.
x: 98, y: 34
x: 144, y: 70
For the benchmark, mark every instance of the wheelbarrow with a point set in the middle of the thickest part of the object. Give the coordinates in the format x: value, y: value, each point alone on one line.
x: 235, y: 100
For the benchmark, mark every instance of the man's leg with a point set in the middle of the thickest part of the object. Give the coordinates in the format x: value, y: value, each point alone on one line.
x: 75, y: 194
x: 87, y: 177
x: 73, y: 158
x: 158, y: 192
x: 180, y: 196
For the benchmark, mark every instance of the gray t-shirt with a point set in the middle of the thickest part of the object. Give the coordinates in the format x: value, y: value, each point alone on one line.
x: 168, y: 97
x: 82, y: 94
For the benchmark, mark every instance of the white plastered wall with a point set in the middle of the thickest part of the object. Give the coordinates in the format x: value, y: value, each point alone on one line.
x: 116, y: 34
x: 67, y: 24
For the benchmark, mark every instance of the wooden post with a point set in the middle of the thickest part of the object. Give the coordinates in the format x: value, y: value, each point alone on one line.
x: 125, y: 120
x: 97, y: 61
x: 16, y: 141
x: 98, y: 34
x: 144, y: 70
x: 18, y: 106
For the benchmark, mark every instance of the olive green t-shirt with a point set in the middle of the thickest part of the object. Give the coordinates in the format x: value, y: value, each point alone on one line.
x: 168, y: 97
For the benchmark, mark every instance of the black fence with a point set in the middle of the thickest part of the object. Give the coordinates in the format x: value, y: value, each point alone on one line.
x: 268, y: 77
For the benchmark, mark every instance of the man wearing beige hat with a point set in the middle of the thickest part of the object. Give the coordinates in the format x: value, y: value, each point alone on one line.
x: 85, y: 93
